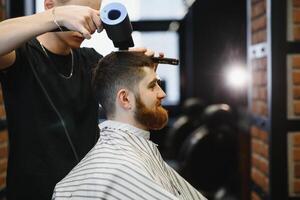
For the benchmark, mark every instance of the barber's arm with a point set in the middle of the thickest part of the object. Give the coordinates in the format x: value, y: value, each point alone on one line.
x: 14, y: 32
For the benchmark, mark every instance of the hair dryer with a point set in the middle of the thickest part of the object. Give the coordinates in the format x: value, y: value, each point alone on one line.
x: 118, y: 27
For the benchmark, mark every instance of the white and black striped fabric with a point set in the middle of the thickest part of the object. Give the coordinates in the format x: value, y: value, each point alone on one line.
x: 123, y: 165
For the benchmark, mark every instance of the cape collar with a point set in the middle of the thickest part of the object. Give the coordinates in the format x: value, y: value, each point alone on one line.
x: 110, y: 124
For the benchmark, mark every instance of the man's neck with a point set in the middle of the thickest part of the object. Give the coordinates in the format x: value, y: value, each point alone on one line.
x: 54, y: 44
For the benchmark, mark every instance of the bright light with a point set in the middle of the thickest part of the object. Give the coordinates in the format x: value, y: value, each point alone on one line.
x: 237, y: 77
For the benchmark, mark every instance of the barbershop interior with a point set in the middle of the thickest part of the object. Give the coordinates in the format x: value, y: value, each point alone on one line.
x: 233, y: 99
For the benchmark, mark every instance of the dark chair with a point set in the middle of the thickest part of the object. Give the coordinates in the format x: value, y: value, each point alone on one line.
x: 208, y: 157
x: 184, y: 125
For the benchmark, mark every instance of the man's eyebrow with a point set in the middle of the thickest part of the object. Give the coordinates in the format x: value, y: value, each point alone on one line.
x: 154, y: 81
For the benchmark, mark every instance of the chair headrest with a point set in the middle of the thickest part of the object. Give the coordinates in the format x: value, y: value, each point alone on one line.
x: 193, y: 107
x: 217, y: 115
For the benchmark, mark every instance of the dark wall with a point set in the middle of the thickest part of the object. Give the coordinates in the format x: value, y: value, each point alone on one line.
x: 213, y: 35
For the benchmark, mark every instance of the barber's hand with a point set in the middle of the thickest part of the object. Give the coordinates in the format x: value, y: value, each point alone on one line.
x: 147, y: 52
x: 79, y: 18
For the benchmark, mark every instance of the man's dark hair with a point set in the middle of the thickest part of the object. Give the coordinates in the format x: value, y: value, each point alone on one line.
x: 117, y: 70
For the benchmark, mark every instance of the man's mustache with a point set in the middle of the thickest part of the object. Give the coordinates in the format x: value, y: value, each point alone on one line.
x: 158, y: 104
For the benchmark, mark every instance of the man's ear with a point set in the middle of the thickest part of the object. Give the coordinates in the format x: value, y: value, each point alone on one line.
x: 124, y: 99
x: 48, y: 4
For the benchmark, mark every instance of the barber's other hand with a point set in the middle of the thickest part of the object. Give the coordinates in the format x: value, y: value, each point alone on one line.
x: 78, y: 18
x: 147, y: 52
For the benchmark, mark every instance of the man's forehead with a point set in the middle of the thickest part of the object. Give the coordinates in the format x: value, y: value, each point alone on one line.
x: 149, y: 71
x: 149, y: 74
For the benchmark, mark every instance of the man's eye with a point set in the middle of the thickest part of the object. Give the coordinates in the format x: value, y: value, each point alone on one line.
x: 152, y: 85
x: 159, y: 83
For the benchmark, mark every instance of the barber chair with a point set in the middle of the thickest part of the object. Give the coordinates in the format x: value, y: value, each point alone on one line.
x: 184, y: 125
x: 208, y: 157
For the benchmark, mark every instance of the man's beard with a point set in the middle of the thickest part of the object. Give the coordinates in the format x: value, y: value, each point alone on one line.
x: 153, y: 119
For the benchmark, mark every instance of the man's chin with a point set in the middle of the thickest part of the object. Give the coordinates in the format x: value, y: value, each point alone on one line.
x: 160, y: 125
x: 154, y: 120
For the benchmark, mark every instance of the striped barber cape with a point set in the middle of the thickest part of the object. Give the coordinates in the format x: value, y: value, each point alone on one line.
x: 123, y: 165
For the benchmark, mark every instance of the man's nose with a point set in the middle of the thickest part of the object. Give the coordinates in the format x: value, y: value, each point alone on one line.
x: 161, y: 94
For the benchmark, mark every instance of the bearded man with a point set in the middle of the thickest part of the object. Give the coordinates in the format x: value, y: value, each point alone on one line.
x: 125, y: 164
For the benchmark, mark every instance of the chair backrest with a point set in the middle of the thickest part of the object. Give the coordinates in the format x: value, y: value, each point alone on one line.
x: 208, y: 157
x: 183, y: 126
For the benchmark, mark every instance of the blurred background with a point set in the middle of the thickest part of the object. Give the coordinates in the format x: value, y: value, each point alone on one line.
x: 234, y: 100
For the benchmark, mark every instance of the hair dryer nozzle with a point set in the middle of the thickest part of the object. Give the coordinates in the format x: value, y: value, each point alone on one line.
x: 118, y: 27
